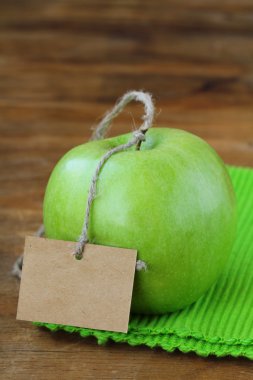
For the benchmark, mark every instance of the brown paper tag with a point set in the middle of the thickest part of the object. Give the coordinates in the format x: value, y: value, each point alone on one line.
x: 94, y: 292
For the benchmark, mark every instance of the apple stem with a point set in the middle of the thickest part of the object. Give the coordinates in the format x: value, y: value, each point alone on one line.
x: 138, y: 145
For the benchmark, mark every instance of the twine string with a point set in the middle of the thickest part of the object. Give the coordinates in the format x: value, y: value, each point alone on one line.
x: 137, y: 137
x: 17, y: 266
x: 138, y: 96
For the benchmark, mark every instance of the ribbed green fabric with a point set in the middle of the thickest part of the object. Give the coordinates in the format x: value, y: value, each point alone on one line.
x: 221, y: 322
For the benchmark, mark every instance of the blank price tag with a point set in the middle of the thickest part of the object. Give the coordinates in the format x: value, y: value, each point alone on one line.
x: 94, y: 292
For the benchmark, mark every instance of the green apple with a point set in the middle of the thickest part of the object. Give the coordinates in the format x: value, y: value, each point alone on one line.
x: 172, y: 200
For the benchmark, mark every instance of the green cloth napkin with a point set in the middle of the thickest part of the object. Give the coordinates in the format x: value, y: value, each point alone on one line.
x: 219, y: 323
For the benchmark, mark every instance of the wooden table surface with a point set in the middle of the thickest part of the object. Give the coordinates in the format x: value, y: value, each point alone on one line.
x: 62, y: 65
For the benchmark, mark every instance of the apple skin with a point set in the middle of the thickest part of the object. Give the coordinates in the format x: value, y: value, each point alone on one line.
x: 173, y: 201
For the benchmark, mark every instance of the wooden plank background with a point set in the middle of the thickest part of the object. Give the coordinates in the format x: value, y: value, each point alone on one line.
x: 62, y: 65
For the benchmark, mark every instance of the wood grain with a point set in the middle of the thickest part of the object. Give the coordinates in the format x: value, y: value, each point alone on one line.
x: 62, y: 65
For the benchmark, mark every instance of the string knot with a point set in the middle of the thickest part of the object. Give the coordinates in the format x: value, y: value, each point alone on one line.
x: 139, y: 135
x: 141, y: 265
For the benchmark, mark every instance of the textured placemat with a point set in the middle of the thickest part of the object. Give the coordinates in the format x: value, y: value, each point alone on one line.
x: 221, y: 322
